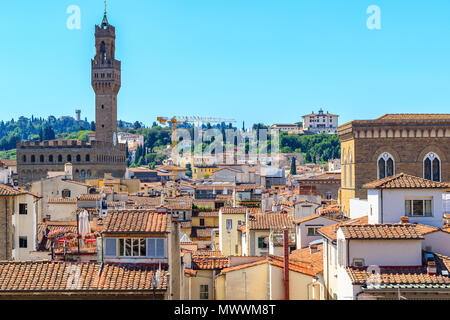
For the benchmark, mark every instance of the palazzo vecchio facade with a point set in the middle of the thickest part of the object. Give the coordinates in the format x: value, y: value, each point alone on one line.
x: 99, y: 156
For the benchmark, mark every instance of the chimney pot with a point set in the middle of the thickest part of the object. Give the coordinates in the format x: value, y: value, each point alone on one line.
x: 431, y: 268
x: 404, y: 220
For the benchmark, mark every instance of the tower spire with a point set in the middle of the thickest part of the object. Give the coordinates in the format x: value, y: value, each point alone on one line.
x: 105, y: 19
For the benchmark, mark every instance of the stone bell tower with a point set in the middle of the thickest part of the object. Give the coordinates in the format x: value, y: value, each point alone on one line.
x: 106, y: 81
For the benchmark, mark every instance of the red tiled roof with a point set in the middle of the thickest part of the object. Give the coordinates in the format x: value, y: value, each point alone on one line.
x: 304, y: 255
x: 381, y: 231
x: 265, y: 221
x: 128, y: 220
x: 231, y: 210
x: 209, y: 262
x: 301, y: 267
x: 62, y: 200
x: 415, y: 116
x: 213, y: 253
x: 425, y: 229
x: 330, y: 231
x: 89, y: 197
x: 72, y: 277
x: 397, y: 275
x: 204, y: 233
x: 405, y: 181
x: 10, y: 191
x: 208, y: 214
x: 190, y: 272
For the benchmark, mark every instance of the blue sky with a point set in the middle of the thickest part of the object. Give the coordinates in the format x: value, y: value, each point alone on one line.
x: 253, y: 60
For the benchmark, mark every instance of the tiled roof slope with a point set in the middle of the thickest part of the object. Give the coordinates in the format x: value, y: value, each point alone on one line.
x: 136, y: 221
x: 209, y: 262
x: 415, y: 116
x: 330, y: 231
x: 405, y: 181
x: 381, y: 231
x: 267, y: 221
x: 390, y: 277
x: 304, y: 255
x: 91, y: 276
x: 231, y: 210
x: 10, y: 191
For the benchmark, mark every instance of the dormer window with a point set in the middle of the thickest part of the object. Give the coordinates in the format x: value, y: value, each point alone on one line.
x: 386, y: 165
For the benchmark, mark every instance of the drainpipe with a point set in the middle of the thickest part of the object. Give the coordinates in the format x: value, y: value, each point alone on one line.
x: 286, y: 264
x: 6, y: 216
x: 382, y: 211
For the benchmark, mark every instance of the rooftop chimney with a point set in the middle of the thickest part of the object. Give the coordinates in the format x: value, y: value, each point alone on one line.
x: 404, y: 220
x: 431, y: 268
x: 313, y: 248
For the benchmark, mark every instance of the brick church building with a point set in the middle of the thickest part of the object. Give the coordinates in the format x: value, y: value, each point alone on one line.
x: 416, y: 144
x: 100, y: 155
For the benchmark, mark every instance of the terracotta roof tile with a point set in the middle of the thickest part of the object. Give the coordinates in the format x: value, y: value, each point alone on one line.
x: 231, y: 210
x: 381, y: 231
x: 415, y: 116
x: 59, y: 277
x: 405, y: 181
x: 304, y: 255
x: 62, y: 200
x: 413, y: 276
x: 10, y: 191
x: 128, y: 220
x: 265, y: 221
x: 330, y: 231
x: 209, y: 262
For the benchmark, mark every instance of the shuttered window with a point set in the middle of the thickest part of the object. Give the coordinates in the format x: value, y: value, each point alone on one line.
x: 111, y: 247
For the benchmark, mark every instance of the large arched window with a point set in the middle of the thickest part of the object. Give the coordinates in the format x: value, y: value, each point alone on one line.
x: 386, y: 165
x: 69, y: 158
x: 432, y: 167
x: 41, y: 158
x: 60, y: 158
x: 78, y: 158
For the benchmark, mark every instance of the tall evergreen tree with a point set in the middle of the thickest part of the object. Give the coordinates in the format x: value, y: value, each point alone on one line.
x: 293, y: 166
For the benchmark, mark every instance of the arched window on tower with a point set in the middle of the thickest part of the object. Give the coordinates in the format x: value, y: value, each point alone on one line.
x: 41, y: 158
x: 60, y: 158
x: 78, y: 158
x: 88, y: 158
x: 432, y: 167
x: 69, y: 158
x: 24, y: 158
x: 33, y: 158
x: 50, y: 158
x: 386, y: 165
